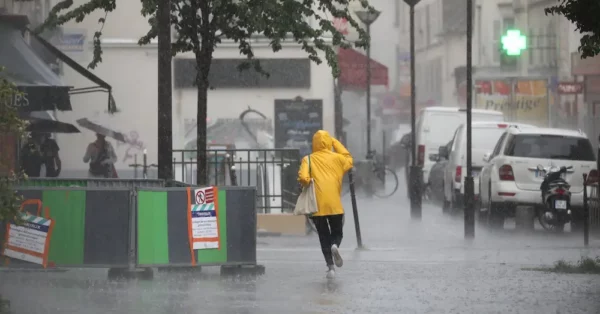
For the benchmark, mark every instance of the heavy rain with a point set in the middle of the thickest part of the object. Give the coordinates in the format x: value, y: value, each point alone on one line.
x: 327, y: 156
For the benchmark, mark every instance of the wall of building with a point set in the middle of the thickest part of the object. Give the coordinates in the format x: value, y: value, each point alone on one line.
x: 132, y: 72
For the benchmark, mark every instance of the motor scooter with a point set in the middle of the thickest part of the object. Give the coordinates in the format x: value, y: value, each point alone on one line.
x: 556, y: 198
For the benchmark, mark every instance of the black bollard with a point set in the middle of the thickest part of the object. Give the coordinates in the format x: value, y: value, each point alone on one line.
x: 355, y: 209
x: 586, y: 212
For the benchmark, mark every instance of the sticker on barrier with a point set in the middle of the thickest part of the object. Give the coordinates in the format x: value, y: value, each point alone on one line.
x: 30, y: 241
x: 204, y: 225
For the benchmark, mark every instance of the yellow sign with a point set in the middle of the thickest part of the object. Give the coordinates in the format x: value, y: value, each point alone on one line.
x: 528, y: 104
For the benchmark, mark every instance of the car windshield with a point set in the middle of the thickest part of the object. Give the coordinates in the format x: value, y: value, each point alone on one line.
x: 551, y: 147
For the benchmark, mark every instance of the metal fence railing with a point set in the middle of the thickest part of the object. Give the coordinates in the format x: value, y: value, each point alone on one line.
x: 272, y: 171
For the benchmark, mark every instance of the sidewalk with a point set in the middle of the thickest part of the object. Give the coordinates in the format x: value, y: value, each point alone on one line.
x: 424, y: 267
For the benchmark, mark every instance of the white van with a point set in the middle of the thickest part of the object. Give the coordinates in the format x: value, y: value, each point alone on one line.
x: 436, y: 127
x: 484, y: 136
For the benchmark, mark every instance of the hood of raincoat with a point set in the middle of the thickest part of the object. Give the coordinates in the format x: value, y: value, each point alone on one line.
x: 321, y: 141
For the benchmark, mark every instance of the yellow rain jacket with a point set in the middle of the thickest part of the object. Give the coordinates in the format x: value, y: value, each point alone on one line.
x: 327, y: 169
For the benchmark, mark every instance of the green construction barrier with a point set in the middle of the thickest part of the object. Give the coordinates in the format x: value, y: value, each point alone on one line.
x: 163, y: 236
x: 90, y: 225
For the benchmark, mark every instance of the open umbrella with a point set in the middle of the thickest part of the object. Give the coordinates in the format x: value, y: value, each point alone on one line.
x: 50, y: 126
x: 44, y: 122
x: 99, y: 129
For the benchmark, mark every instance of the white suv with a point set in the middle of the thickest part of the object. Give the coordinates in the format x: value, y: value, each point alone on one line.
x: 510, y: 178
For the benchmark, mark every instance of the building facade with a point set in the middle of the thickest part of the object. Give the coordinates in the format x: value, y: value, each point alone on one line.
x: 440, y: 27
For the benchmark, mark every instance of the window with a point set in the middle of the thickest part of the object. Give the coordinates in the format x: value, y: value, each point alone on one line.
x: 551, y: 147
x: 508, y: 23
x: 496, y: 43
x: 542, y: 46
x: 499, y: 29
x: 404, y: 16
x: 532, y: 42
x: 435, y: 22
x: 426, y: 25
x: 552, y: 43
x: 496, y: 151
x: 397, y: 6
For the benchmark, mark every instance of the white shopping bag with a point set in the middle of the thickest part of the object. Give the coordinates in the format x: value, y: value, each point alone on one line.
x: 307, y: 200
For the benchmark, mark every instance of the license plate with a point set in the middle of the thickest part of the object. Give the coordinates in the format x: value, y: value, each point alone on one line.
x: 560, y: 204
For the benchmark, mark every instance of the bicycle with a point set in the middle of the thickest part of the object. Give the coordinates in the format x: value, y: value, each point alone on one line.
x: 385, y: 177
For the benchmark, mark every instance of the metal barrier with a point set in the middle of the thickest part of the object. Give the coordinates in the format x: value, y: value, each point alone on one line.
x: 272, y: 171
x: 136, y: 227
x: 163, y: 236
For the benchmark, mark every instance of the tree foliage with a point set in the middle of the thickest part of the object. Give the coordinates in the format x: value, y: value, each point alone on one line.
x: 10, y: 124
x: 584, y: 14
x: 201, y: 25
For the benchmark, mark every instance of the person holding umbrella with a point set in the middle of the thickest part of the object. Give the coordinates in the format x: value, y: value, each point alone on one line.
x: 101, y: 156
x: 50, y: 157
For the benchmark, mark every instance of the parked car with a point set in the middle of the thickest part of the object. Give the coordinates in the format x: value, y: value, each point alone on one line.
x: 511, y: 177
x: 435, y: 189
x: 484, y: 137
x: 435, y: 127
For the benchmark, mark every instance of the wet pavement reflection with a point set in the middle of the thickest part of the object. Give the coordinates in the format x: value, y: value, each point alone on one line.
x: 408, y: 267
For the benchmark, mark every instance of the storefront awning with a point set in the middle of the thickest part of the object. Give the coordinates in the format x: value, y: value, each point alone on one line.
x: 41, y: 88
x: 353, y: 66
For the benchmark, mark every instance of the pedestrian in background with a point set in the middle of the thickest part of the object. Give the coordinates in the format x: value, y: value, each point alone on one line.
x: 50, y: 156
x: 102, y: 157
x: 327, y: 169
x: 31, y: 157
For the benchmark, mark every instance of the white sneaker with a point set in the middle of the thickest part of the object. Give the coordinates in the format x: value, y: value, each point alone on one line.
x: 337, y: 258
x: 330, y: 273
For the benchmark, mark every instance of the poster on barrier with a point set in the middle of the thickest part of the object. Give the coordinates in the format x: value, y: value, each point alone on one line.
x: 204, y: 219
x: 29, y: 241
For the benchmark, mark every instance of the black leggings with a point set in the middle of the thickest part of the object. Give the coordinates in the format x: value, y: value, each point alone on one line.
x: 330, y: 230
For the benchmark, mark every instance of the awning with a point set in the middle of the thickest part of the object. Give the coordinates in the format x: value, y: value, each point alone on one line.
x: 353, y: 65
x: 41, y: 89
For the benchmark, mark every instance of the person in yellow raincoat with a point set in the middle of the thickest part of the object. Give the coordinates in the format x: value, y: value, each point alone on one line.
x: 327, y: 169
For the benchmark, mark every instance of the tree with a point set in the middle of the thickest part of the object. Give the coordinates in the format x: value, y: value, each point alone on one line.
x: 584, y: 14
x: 202, y: 24
x: 10, y: 126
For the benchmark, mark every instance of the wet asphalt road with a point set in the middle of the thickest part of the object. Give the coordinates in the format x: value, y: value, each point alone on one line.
x: 424, y: 267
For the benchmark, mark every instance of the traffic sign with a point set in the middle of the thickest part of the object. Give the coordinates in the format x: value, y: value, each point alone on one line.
x: 200, y: 197
x: 514, y: 42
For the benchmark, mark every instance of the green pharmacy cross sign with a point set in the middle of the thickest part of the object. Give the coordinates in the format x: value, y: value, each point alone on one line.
x: 513, y: 42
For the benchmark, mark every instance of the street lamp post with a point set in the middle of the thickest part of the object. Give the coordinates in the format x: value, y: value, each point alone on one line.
x: 368, y: 17
x: 469, y: 213
x: 416, y: 173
